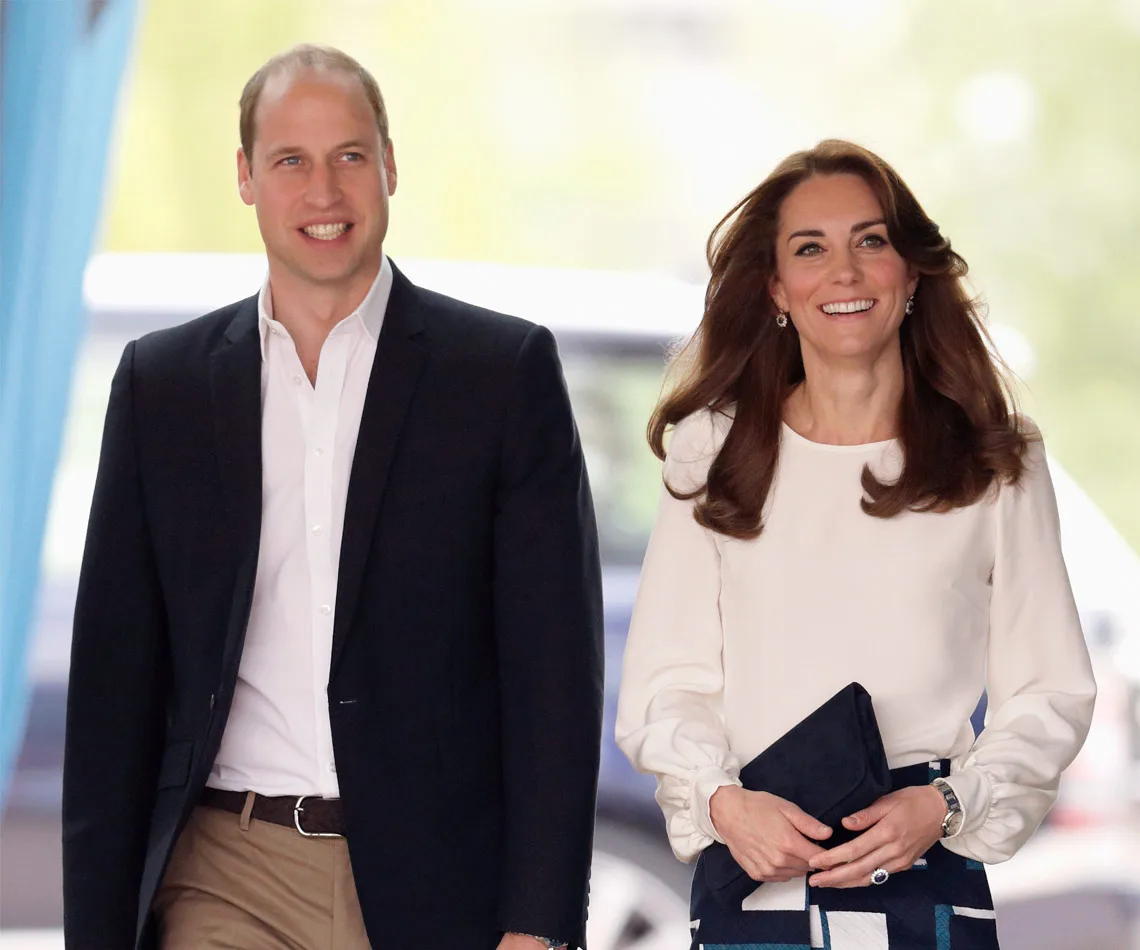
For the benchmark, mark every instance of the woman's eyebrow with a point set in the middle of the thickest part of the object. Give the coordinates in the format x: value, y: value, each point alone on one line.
x: 861, y: 226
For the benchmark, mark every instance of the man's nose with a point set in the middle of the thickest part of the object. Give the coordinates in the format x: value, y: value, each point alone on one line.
x: 323, y: 188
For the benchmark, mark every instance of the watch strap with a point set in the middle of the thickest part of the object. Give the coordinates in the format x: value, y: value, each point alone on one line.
x: 952, y: 823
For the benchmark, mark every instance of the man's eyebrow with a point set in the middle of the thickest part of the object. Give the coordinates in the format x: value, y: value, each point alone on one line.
x: 354, y: 143
x: 861, y: 226
x: 295, y: 149
x: 283, y: 150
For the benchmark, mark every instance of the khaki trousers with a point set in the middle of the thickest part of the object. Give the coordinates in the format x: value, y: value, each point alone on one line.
x: 242, y: 884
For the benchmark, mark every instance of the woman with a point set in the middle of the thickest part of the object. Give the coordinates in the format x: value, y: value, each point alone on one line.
x: 849, y: 497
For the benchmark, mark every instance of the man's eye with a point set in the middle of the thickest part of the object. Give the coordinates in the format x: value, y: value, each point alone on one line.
x: 353, y: 156
x: 290, y: 160
x: 808, y: 250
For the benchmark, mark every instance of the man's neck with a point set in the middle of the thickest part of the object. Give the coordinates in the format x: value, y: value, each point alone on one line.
x: 302, y: 307
x: 310, y: 312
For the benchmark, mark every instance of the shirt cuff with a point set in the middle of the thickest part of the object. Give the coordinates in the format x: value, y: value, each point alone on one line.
x: 705, y: 784
x: 975, y: 795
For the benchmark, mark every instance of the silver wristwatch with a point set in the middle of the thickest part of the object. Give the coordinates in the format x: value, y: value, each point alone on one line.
x: 952, y: 823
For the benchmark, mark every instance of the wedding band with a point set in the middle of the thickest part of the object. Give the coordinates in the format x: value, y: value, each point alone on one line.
x: 880, y: 875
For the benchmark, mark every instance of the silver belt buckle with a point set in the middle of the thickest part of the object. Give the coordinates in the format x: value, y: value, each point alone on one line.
x: 298, y: 810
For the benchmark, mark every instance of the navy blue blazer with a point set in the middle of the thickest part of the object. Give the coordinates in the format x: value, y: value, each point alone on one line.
x: 465, y: 690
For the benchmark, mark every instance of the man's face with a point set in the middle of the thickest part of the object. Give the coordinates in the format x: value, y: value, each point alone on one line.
x: 319, y: 178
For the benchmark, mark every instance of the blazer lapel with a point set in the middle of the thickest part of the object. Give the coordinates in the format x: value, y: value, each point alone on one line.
x: 235, y: 393
x: 396, y: 369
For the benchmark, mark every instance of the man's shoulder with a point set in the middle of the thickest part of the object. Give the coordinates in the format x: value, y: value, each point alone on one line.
x: 194, y: 338
x: 461, y: 324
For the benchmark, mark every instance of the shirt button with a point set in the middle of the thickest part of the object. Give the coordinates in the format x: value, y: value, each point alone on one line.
x: 296, y: 380
x: 317, y: 529
x: 326, y: 609
x: 318, y: 452
x: 332, y: 766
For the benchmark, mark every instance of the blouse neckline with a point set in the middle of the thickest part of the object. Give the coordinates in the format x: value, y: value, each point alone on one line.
x: 860, y: 448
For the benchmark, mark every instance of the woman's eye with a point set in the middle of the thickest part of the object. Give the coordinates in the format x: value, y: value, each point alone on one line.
x: 808, y: 250
x: 874, y: 240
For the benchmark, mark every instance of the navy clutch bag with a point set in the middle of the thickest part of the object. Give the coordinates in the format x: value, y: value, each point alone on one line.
x: 830, y: 764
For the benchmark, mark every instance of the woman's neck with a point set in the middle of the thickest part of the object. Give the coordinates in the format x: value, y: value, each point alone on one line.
x: 847, y: 404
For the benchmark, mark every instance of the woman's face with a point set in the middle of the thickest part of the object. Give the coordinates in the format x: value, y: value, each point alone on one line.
x: 837, y: 276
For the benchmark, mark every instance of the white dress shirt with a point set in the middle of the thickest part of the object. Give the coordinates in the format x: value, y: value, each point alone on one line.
x: 733, y: 642
x: 278, y: 738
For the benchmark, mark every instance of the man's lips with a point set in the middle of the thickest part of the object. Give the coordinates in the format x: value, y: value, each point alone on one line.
x: 326, y: 231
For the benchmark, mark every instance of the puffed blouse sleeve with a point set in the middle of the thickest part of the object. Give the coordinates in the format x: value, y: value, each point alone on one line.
x: 670, y: 719
x: 1039, y: 678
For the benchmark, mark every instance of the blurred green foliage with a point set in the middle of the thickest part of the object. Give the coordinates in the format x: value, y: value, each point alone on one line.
x: 615, y: 134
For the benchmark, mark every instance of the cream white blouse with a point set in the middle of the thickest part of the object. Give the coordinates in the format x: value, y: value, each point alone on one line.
x: 733, y: 642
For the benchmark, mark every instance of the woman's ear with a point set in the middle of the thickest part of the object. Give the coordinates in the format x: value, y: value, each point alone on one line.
x: 779, y: 298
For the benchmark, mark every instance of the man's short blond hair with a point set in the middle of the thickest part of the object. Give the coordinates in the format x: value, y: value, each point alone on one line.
x: 299, y: 59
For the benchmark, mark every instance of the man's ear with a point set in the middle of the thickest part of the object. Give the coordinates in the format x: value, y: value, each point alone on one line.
x: 390, y: 167
x: 245, y: 178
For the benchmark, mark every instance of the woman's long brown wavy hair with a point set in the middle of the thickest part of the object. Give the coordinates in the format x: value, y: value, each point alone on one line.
x: 957, y: 427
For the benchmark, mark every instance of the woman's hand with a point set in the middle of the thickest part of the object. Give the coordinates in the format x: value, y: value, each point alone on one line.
x: 897, y: 830
x: 768, y: 836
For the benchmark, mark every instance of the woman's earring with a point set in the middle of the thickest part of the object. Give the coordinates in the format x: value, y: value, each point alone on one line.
x: 781, y: 319
x: 910, y: 305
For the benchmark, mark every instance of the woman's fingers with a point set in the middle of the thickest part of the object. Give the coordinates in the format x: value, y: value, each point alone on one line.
x: 853, y: 850
x: 803, y: 823
x: 858, y: 873
x: 782, y: 856
x: 766, y: 834
x: 898, y: 828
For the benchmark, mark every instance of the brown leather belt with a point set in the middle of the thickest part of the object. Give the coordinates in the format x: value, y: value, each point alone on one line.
x: 311, y: 816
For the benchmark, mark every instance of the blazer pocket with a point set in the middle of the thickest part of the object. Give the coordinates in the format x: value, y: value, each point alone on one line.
x: 175, y: 769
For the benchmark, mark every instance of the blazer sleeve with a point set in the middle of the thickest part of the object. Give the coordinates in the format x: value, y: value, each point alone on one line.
x: 115, y: 705
x: 1039, y: 678
x: 548, y: 627
x: 670, y: 719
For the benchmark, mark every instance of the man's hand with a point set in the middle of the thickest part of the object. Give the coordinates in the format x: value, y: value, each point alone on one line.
x: 521, y: 942
x: 897, y: 830
x: 767, y: 835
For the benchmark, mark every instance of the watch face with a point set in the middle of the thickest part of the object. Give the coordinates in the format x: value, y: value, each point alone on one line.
x: 953, y: 823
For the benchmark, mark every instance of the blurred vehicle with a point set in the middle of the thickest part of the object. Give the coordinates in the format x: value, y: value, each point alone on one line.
x: 613, y: 331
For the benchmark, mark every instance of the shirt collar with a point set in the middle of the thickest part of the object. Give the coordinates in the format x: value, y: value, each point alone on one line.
x: 370, y: 313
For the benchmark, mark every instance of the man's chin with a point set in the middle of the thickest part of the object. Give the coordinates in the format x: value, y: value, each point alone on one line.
x: 326, y: 274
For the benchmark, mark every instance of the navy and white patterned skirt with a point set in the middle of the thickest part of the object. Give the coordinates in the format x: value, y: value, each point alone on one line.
x: 942, y: 903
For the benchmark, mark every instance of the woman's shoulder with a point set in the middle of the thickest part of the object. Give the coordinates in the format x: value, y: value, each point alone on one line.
x: 700, y: 434
x: 1024, y: 426
x: 1034, y: 472
x: 1033, y: 454
x: 694, y: 444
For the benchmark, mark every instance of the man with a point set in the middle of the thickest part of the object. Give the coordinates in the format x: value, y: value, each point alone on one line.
x: 336, y: 676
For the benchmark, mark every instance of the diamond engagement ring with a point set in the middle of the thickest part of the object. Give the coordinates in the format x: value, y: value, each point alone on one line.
x: 880, y: 875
